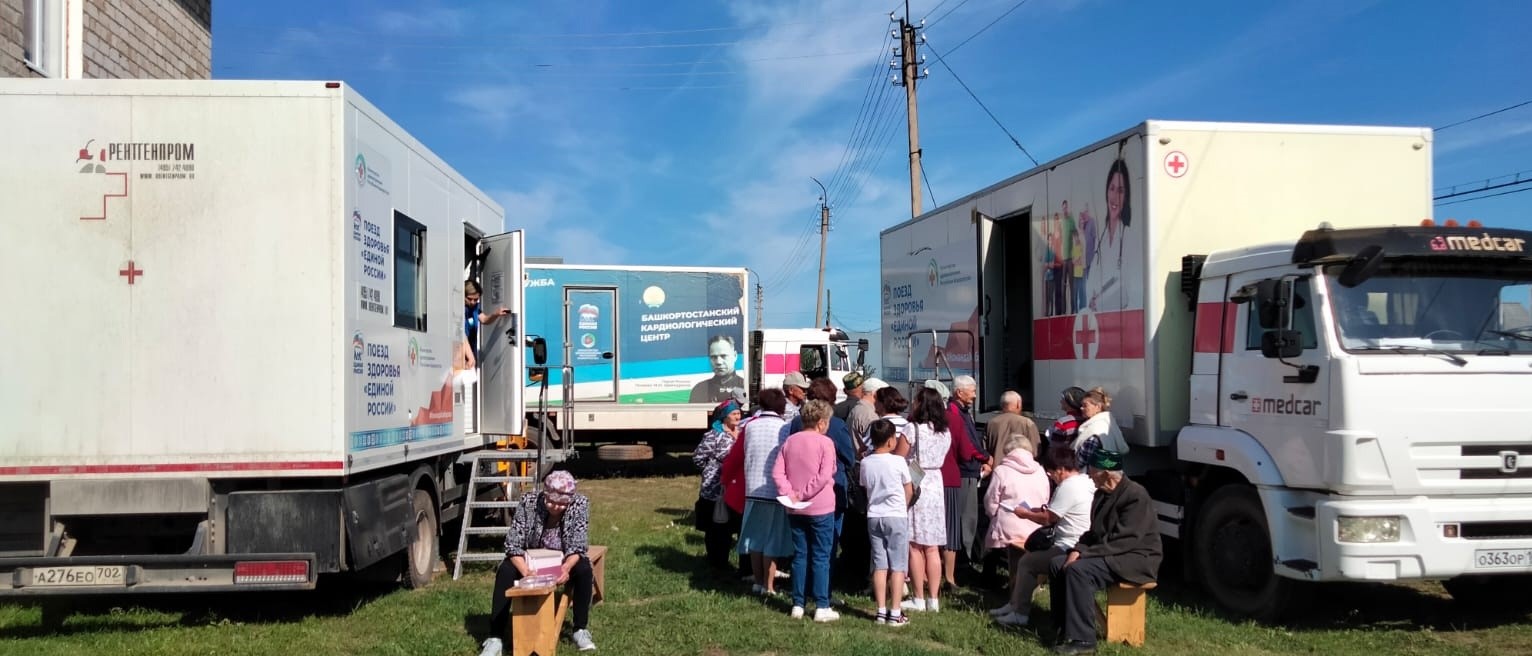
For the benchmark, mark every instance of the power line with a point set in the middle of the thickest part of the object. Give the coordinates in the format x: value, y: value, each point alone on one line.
x: 858, y: 148
x: 861, y: 114
x: 1498, y: 111
x: 949, y: 12
x: 1503, y: 193
x: 986, y: 27
x: 1487, y: 187
x: 930, y: 194
x: 1516, y: 176
x: 885, y: 139
x: 943, y: 61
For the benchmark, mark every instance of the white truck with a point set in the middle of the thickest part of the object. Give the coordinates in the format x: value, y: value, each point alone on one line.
x: 234, y: 310
x: 1317, y: 386
x: 814, y: 352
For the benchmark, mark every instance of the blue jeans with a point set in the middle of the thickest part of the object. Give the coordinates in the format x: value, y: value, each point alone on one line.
x: 812, y: 537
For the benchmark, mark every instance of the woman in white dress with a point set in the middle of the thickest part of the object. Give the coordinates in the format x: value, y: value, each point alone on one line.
x: 929, y: 438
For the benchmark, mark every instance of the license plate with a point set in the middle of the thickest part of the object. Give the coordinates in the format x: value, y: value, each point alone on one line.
x: 1502, y: 559
x: 80, y: 575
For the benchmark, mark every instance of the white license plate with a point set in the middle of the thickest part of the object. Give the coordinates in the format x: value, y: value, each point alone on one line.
x: 1502, y: 559
x: 80, y: 575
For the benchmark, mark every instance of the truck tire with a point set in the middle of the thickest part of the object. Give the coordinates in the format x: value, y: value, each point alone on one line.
x: 421, y: 556
x: 624, y: 452
x: 1232, y: 547
x: 1481, y: 592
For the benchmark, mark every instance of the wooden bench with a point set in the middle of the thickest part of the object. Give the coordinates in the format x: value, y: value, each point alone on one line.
x: 535, y: 617
x: 1127, y: 606
x: 597, y: 557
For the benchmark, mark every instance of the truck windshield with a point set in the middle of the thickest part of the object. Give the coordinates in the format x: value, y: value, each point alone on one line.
x: 1474, y: 306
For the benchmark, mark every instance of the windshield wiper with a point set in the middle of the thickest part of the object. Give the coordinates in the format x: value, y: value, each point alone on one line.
x: 1411, y: 348
x: 1523, y: 333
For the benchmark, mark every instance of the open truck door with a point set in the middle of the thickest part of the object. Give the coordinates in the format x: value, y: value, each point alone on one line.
x: 502, y: 356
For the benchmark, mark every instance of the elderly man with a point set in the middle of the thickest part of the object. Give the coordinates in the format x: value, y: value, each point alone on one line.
x: 966, y: 463
x: 796, y: 386
x: 865, y: 413
x: 1006, y: 429
x: 1123, y: 544
x: 852, y: 383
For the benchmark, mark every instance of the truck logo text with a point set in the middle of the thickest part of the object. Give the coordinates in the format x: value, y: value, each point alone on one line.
x: 1288, y: 406
x: 1487, y: 242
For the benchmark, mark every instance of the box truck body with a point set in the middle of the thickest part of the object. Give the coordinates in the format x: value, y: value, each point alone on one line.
x: 649, y: 347
x: 233, y: 287
x: 1133, y: 264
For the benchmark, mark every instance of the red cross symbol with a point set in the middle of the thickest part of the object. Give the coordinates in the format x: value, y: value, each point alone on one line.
x: 1085, y: 336
x: 131, y: 272
x: 1176, y: 164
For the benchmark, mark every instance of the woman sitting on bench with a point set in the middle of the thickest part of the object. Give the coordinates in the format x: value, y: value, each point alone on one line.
x: 556, y: 519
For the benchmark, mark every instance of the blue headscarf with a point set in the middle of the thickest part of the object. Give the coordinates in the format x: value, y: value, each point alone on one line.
x: 721, y: 412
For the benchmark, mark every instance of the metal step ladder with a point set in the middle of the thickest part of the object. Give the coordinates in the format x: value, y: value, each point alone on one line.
x: 486, y: 475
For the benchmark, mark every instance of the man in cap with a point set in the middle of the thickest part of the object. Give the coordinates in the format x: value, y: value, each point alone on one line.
x: 796, y: 386
x: 852, y: 384
x: 1122, y: 545
x: 865, y: 413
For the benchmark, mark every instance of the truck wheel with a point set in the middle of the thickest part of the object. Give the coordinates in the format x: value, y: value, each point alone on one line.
x: 1487, y: 592
x: 624, y: 452
x: 1233, y: 554
x: 421, y: 562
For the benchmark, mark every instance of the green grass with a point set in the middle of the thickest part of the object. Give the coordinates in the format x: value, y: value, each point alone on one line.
x: 662, y: 601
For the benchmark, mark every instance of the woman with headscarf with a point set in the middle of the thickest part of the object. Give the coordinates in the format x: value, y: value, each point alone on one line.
x: 557, y: 519
x: 1067, y: 427
x: 714, y: 518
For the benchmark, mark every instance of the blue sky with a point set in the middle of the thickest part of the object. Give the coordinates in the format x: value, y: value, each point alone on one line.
x: 686, y: 133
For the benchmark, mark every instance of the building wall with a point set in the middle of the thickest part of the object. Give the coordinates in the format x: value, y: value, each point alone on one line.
x: 166, y: 39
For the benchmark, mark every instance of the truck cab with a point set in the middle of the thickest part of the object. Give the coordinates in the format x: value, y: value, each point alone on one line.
x: 816, y: 352
x: 1360, y: 396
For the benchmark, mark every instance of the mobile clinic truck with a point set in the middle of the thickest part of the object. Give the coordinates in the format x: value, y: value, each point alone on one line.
x: 234, y: 309
x: 649, y: 347
x: 1305, y: 403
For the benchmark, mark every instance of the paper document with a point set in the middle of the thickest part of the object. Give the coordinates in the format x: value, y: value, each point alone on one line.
x: 799, y: 505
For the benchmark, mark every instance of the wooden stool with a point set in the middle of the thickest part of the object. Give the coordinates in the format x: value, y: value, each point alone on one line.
x: 534, y: 621
x: 1126, y: 606
x: 597, y: 557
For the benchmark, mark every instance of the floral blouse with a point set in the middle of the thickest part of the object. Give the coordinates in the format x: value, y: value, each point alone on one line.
x: 709, y: 457
x: 529, y: 524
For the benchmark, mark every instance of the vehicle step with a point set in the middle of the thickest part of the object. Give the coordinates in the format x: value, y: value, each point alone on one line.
x: 503, y: 479
x: 493, y: 504
x: 486, y: 530
x: 482, y: 557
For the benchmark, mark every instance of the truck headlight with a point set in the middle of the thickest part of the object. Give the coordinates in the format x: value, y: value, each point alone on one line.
x: 1368, y: 529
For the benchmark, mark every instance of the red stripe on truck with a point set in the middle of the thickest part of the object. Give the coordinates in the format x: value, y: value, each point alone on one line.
x: 778, y: 363
x: 1117, y: 335
x: 172, y: 468
x: 1215, y: 328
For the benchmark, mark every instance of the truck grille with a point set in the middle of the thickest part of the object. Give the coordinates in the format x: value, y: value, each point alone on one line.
x: 1497, y: 530
x: 1465, y: 468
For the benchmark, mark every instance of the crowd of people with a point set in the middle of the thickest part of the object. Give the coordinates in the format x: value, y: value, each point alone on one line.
x: 878, y: 491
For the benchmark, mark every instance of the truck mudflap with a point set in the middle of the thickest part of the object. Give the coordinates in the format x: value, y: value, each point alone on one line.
x: 88, y: 575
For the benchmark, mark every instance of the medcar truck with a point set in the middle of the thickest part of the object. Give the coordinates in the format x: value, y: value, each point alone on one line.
x: 1318, y: 382
x: 235, y: 315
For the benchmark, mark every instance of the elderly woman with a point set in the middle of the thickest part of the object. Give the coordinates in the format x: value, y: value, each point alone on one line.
x: 804, y: 473
x: 1098, y: 431
x: 1122, y: 545
x: 714, y: 518
x: 556, y: 519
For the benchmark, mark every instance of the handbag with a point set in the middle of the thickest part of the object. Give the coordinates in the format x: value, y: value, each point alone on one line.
x: 1041, y: 539
x: 720, y: 511
x: 917, y: 473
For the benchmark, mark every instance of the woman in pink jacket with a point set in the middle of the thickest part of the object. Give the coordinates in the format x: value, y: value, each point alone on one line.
x: 805, y: 474
x: 1018, y: 482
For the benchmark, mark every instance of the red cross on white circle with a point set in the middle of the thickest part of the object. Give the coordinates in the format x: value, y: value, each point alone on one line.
x: 1176, y: 164
x: 1086, y: 336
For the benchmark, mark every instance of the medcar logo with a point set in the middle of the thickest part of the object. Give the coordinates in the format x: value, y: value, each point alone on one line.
x: 1486, y: 242
x: 1288, y: 406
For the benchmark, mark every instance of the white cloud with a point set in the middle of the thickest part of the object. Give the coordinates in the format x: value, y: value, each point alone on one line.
x: 493, y: 104
x: 784, y: 90
x: 427, y: 22
x: 557, y: 222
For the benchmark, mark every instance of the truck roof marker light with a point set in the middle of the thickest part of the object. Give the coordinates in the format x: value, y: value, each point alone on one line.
x: 332, y: 85
x: 1427, y: 223
x: 1451, y: 223
x: 1474, y: 223
x: 1218, y: 454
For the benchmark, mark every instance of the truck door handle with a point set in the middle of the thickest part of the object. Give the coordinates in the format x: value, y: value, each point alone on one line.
x: 1239, y: 396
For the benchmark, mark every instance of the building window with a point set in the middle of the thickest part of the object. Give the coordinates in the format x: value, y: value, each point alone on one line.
x: 409, y: 273
x: 42, y: 35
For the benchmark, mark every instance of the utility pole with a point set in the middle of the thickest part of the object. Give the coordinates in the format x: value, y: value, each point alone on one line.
x: 760, y: 305
x: 824, y: 236
x: 911, y: 71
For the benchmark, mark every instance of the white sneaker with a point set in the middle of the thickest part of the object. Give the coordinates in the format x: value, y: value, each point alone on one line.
x: 797, y: 613
x: 492, y: 647
x: 784, y: 575
x: 932, y: 606
x: 582, y: 640
x: 916, y: 604
x: 1002, y: 611
x: 1013, y: 619
x: 825, y: 615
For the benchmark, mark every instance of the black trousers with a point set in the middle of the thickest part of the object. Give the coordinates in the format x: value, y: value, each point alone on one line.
x: 1072, y: 591
x: 581, y: 585
x: 718, y: 539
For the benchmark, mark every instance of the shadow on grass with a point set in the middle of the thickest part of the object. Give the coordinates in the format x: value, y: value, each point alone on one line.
x: 114, y: 613
x: 700, y: 575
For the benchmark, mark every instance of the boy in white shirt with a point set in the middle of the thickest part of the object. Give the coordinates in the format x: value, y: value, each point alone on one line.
x: 886, y: 477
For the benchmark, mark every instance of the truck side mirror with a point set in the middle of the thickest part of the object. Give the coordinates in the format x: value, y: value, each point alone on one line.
x: 1275, y: 303
x: 1281, y: 344
x: 539, y: 350
x: 861, y: 353
x: 1362, y: 266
